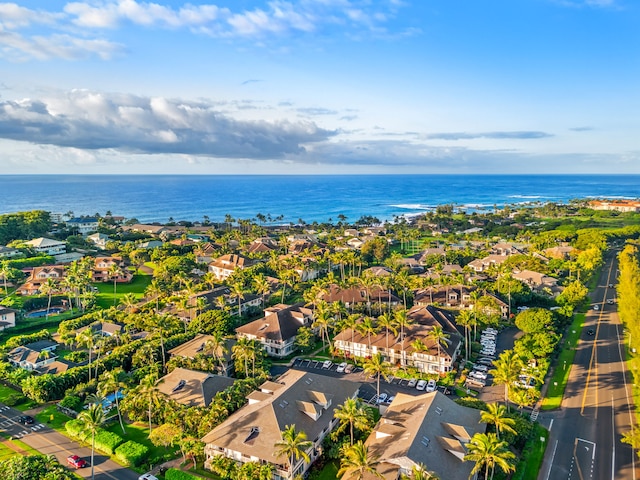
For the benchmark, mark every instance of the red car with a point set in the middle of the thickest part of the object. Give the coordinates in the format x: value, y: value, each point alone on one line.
x: 76, y: 462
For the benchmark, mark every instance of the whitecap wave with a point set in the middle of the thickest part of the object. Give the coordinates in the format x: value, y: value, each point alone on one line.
x: 411, y: 206
x: 526, y: 196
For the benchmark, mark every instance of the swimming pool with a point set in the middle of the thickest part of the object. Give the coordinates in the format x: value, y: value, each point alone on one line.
x: 42, y: 313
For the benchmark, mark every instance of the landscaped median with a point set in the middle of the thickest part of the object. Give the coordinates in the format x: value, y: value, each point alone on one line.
x: 558, y: 381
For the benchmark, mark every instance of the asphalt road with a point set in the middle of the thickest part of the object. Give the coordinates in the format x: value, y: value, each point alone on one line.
x: 597, y: 407
x: 48, y: 441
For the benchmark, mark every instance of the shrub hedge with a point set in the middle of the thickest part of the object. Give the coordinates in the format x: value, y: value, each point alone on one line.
x: 75, y: 429
x: 131, y: 453
x: 107, y: 442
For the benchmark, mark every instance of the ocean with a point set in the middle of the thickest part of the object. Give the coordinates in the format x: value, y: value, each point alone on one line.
x: 157, y: 198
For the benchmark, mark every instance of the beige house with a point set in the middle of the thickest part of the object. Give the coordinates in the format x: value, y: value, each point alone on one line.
x: 428, y: 429
x: 305, y: 400
x: 7, y: 318
x: 277, y: 330
x: 198, y: 346
x: 192, y: 388
x: 222, y: 267
x: 415, y: 349
x: 47, y: 246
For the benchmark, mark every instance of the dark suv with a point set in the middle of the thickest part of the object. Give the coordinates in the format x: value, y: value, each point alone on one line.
x: 26, y: 420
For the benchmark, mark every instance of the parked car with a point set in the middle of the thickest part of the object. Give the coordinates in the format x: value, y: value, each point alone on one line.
x: 76, y: 462
x: 26, y: 420
x: 349, y: 368
x: 611, y: 285
x: 391, y: 398
x: 327, y: 364
x: 596, y: 307
x: 610, y: 301
x: 478, y: 375
x: 412, y: 383
x: 382, y: 398
x: 342, y: 367
x: 431, y: 385
x: 591, y: 332
x: 481, y: 368
x: 147, y: 476
x: 421, y: 385
x: 485, y: 362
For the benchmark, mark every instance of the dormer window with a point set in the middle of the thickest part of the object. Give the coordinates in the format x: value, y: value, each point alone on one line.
x: 179, y: 386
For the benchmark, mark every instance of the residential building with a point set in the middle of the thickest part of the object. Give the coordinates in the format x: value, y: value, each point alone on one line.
x: 7, y: 252
x: 535, y: 280
x: 104, y: 329
x: 306, y: 400
x: 454, y: 297
x: 198, y: 346
x: 38, y: 276
x: 224, y: 266
x: 617, y: 205
x: 33, y: 355
x: 277, y: 330
x: 99, y: 240
x: 47, y: 246
x: 83, y: 225
x: 192, y: 388
x: 103, y: 267
x: 7, y: 318
x: 413, y: 346
x: 428, y: 429
x: 356, y: 295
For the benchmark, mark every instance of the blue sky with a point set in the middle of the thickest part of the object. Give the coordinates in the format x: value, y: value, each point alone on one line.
x: 320, y: 86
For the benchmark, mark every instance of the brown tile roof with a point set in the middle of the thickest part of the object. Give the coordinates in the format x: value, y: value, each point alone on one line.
x: 280, y: 322
x: 428, y: 429
x: 256, y: 427
x: 192, y: 388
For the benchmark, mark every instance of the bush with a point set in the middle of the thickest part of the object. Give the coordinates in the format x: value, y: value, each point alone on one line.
x: 131, y: 453
x: 14, y: 399
x: 472, y: 403
x: 175, y: 474
x: 75, y: 429
x: 107, y: 442
x: 73, y: 402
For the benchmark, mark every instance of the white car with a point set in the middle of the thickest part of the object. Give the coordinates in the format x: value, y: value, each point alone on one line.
x: 382, y: 398
x: 147, y: 476
x: 327, y: 364
x: 421, y: 385
x: 596, y: 307
x: 412, y: 383
x: 481, y: 368
x: 478, y: 375
x: 342, y: 367
x: 431, y: 385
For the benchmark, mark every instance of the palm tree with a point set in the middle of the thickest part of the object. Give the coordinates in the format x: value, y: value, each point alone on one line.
x: 115, y: 271
x: 217, y: 345
x: 378, y: 367
x: 402, y: 322
x: 262, y: 286
x: 420, y: 472
x: 438, y: 335
x: 243, y: 351
x: 353, y: 412
x: 91, y: 419
x: 465, y: 319
x: 322, y: 320
x: 237, y: 290
x: 356, y: 463
x: 113, y: 382
x: 154, y: 291
x: 147, y: 388
x: 496, y: 415
x: 87, y: 338
x: 294, y: 446
x: 488, y: 451
x: 128, y: 301
x: 387, y: 322
x: 507, y: 369
x: 368, y: 328
x: 47, y: 288
x: 5, y: 270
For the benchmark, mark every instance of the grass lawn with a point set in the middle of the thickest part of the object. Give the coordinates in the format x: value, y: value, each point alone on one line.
x: 7, y: 392
x: 6, y: 451
x: 329, y: 472
x: 59, y: 418
x: 105, y: 290
x: 558, y: 381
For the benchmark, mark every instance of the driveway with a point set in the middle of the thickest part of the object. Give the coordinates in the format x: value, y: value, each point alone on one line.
x: 49, y: 442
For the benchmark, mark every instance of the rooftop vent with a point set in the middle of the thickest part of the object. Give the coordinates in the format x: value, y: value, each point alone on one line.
x: 438, y: 410
x: 179, y: 386
x: 253, y: 433
x: 200, y: 348
x: 425, y: 441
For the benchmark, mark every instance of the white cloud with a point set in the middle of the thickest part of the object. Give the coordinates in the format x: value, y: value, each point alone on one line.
x: 93, y: 120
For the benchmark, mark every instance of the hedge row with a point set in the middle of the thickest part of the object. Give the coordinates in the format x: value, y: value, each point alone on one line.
x: 14, y: 342
x: 105, y: 441
x: 175, y: 474
x: 20, y: 263
x: 131, y: 453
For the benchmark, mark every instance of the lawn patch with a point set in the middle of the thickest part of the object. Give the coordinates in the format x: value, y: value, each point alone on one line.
x: 137, y: 286
x: 532, y: 455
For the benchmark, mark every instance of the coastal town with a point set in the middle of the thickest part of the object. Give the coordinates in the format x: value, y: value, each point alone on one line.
x: 429, y: 347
